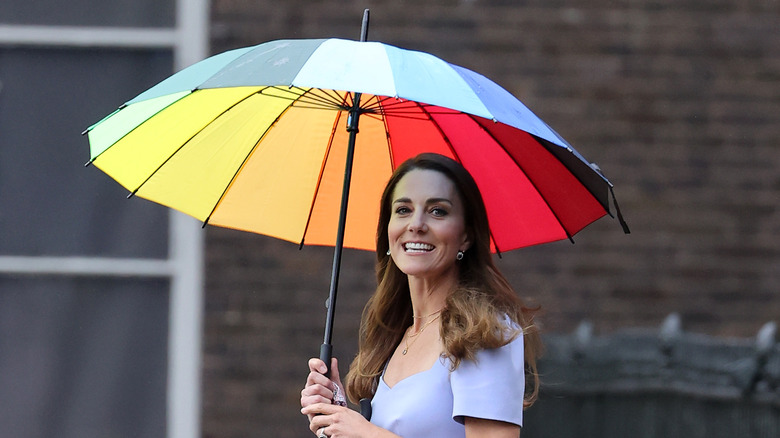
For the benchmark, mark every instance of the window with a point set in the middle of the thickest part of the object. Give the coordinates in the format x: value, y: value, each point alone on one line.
x: 100, y: 297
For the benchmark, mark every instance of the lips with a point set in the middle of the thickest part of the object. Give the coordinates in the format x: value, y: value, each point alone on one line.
x: 417, y: 247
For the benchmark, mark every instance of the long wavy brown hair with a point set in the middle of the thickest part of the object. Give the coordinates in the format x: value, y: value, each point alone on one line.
x: 474, y: 317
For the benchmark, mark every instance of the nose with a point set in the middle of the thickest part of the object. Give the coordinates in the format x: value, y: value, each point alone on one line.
x: 417, y: 223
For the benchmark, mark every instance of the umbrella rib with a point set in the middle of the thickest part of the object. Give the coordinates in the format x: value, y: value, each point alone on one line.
x: 544, y: 143
x: 376, y: 103
x: 387, y: 136
x: 520, y: 166
x: 151, y: 174
x: 336, y: 98
x: 319, y: 179
x: 134, y: 128
x: 405, y: 109
x: 373, y: 102
x: 232, y: 179
x: 411, y: 115
x: 329, y: 98
x: 392, y: 102
x: 324, y: 161
x: 243, y: 163
x: 318, y: 101
x: 441, y: 132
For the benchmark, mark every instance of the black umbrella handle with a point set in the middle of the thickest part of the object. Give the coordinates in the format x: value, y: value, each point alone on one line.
x: 326, y: 353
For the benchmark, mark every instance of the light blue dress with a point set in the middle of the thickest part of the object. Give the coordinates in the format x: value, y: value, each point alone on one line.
x: 433, y: 403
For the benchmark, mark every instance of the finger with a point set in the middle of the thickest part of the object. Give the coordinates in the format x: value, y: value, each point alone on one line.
x: 315, y: 379
x: 313, y: 400
x: 321, y: 410
x: 317, y: 423
x: 316, y: 364
x: 334, y: 371
x: 317, y: 390
x: 325, y: 390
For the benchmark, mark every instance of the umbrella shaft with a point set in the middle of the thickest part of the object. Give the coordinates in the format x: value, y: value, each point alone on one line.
x: 334, y: 278
x: 326, y: 350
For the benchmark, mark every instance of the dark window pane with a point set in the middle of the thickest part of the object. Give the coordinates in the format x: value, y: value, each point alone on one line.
x: 141, y: 13
x: 83, y: 357
x: 52, y: 205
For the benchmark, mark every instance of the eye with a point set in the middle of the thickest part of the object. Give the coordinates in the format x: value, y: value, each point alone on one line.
x: 439, y: 212
x: 402, y: 209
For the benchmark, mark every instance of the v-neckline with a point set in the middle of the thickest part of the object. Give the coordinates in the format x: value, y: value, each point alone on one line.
x: 410, y: 376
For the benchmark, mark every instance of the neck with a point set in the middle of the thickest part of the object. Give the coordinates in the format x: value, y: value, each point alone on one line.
x: 428, y: 298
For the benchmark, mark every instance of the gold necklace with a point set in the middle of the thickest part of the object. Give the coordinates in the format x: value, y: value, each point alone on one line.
x: 429, y: 315
x: 409, y: 335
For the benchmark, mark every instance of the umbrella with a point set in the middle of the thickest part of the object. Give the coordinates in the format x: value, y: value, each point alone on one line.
x: 265, y: 139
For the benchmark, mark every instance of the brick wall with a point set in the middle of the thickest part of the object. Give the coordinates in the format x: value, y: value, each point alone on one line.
x: 677, y: 101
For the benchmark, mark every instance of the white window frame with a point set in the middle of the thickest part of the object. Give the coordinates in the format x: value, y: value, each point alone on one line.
x: 184, y: 267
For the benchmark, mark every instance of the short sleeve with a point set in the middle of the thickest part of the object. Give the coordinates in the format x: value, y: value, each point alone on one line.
x: 492, y: 386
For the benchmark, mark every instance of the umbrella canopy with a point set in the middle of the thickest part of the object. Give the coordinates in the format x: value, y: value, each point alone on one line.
x: 265, y: 139
x: 255, y: 139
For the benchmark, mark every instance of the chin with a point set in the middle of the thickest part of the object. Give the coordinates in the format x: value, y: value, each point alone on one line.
x: 414, y: 270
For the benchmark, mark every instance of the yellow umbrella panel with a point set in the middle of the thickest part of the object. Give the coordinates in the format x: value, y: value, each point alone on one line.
x: 249, y: 158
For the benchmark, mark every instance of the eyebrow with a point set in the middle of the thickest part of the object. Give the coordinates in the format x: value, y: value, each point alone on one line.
x: 428, y: 201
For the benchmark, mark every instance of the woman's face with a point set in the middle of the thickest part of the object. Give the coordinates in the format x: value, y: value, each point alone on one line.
x: 427, y: 225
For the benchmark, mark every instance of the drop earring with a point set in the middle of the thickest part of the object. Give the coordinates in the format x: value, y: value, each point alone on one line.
x: 388, y: 252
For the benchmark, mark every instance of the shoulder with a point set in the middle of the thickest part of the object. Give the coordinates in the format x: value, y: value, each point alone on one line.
x: 508, y: 355
x: 505, y: 361
x: 492, y: 385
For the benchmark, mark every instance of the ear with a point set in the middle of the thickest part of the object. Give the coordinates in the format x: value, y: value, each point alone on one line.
x: 466, y: 244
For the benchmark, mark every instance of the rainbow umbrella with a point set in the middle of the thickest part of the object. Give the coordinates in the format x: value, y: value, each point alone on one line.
x: 265, y: 139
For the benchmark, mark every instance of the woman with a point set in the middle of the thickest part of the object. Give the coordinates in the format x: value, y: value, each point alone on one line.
x: 444, y: 341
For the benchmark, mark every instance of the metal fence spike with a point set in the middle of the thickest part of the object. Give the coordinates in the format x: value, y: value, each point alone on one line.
x: 766, y: 338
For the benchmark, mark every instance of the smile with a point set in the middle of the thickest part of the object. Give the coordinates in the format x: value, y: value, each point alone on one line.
x: 417, y: 247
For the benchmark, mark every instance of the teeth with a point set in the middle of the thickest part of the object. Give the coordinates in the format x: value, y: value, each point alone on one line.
x: 415, y: 246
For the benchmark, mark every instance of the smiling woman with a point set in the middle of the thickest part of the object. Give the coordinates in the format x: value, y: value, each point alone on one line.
x: 468, y: 377
x: 426, y: 229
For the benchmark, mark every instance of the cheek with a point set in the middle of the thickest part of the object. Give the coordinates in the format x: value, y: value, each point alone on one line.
x: 457, y: 234
x: 393, y: 230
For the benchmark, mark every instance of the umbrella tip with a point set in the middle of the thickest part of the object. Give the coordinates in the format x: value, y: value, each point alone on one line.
x: 85, y: 132
x: 87, y: 163
x: 364, y: 27
x: 620, y: 218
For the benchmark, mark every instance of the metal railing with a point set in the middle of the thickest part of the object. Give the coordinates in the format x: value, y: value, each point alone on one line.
x: 658, y: 383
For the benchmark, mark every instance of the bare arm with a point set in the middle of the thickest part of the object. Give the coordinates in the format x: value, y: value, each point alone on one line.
x: 480, y: 428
